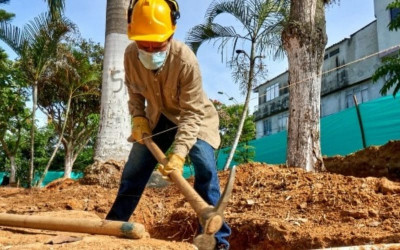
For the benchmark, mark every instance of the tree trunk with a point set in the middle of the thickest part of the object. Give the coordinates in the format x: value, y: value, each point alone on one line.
x: 68, y: 161
x: 13, y: 169
x: 32, y: 158
x: 304, y: 40
x: 239, y: 131
x: 11, y: 157
x: 61, y: 136
x: 245, y: 108
x: 115, y: 121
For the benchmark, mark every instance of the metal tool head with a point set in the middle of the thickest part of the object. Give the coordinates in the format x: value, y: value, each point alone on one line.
x: 213, y: 219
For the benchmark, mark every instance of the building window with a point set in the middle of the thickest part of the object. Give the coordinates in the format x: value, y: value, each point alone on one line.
x: 283, y: 122
x: 360, y: 93
x: 267, y: 127
x: 272, y: 92
x: 394, y: 13
x: 334, y: 52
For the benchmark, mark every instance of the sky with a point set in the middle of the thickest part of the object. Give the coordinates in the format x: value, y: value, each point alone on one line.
x: 342, y: 19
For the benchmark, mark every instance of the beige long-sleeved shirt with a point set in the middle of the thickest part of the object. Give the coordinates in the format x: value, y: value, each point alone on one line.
x: 175, y: 90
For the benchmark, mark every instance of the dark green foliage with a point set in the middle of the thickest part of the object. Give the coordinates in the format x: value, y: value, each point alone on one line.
x: 44, y: 143
x: 3, y: 161
x: 244, y: 153
x: 85, y: 158
x: 229, y: 117
x: 4, y: 15
x: 14, y: 116
x: 229, y: 120
x: 390, y: 71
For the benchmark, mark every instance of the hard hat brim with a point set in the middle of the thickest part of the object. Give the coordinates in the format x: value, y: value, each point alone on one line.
x: 152, y: 38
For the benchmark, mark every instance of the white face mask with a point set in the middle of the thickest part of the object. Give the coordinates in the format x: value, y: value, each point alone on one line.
x: 152, y: 60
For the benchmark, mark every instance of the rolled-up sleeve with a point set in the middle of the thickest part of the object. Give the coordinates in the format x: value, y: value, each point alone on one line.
x: 191, y: 105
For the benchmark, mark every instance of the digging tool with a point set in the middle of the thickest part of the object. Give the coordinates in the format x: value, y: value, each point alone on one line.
x: 91, y: 226
x: 211, y: 218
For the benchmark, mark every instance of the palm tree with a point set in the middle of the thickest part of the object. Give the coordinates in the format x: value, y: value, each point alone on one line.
x: 304, y: 39
x: 35, y: 45
x: 115, y: 120
x: 56, y: 8
x: 262, y: 24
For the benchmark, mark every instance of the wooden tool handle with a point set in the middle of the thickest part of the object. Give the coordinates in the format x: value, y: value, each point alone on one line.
x: 195, y: 200
x: 81, y: 225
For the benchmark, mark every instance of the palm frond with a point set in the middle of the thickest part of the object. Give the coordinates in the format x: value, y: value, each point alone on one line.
x: 205, y: 32
x: 269, y: 38
x: 44, y: 36
x: 12, y: 36
x: 236, y: 8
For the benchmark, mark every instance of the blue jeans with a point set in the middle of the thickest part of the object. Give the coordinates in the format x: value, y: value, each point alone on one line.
x: 141, y: 163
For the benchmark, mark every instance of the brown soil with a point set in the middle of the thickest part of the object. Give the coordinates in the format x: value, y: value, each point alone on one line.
x: 272, y: 207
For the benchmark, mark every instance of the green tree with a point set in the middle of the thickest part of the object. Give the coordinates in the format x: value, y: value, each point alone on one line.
x: 229, y: 119
x: 45, y: 140
x: 245, y: 153
x: 261, y: 21
x: 390, y: 68
x: 13, y: 113
x: 69, y: 95
x: 4, y: 15
x: 36, y: 45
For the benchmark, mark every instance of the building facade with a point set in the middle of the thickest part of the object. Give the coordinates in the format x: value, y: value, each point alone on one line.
x: 347, y: 71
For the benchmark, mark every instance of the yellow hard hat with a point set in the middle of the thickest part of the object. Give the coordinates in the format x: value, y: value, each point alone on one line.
x: 152, y: 20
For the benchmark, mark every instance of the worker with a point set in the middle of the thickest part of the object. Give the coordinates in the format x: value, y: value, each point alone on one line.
x: 166, y: 101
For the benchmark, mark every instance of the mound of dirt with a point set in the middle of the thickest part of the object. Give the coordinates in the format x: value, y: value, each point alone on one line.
x: 272, y: 207
x: 106, y: 174
x: 377, y: 161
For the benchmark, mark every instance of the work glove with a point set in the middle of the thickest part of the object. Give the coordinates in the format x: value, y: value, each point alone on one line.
x: 175, y: 162
x: 139, y: 128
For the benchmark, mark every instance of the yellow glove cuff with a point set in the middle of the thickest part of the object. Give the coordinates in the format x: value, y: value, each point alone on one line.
x: 140, y: 127
x: 141, y: 123
x: 175, y: 162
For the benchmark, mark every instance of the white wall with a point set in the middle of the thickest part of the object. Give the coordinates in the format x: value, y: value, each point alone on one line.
x: 386, y: 38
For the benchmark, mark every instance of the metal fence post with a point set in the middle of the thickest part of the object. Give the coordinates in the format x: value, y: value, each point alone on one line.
x: 360, y: 121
